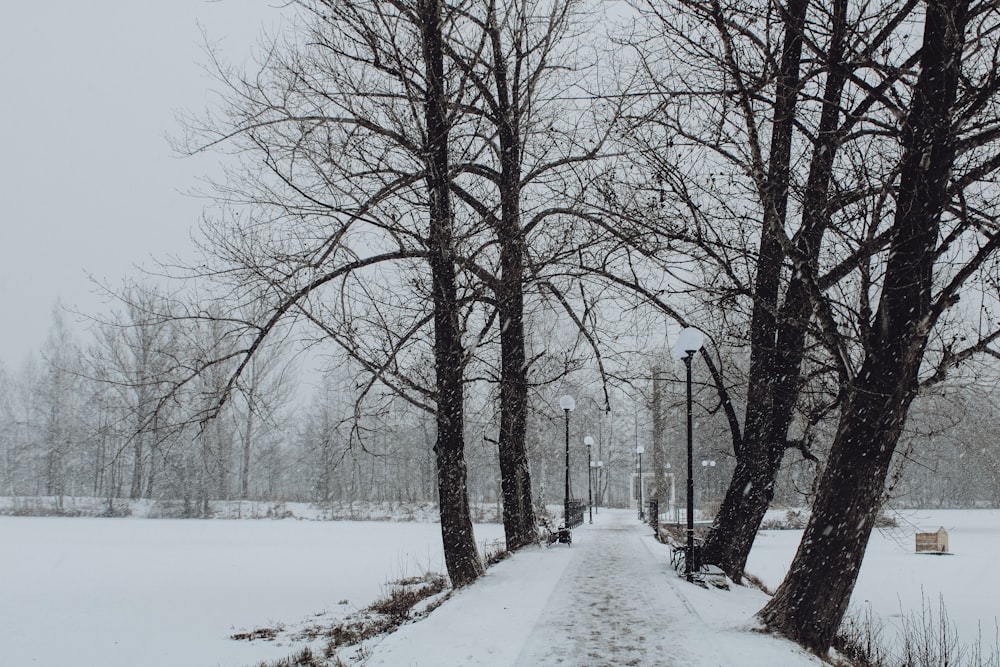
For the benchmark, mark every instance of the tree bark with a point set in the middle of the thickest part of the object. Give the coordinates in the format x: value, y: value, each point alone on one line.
x: 515, y: 476
x: 762, y: 445
x: 461, y: 555
x: 810, y: 604
x: 659, y: 459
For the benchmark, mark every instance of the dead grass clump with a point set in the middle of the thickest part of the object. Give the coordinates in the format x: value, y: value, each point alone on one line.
x: 927, y: 639
x: 756, y: 582
x: 304, y: 658
x: 406, y: 599
x: 494, y: 552
x: 398, y: 603
x: 384, y: 614
x: 266, y: 634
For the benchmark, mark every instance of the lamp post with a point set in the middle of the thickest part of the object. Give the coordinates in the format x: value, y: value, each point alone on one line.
x: 639, y: 449
x: 590, y: 489
x: 670, y: 498
x: 597, y: 465
x: 706, y: 464
x: 689, y: 341
x: 567, y: 404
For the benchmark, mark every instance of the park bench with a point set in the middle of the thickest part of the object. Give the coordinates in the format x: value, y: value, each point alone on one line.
x: 705, y: 574
x: 549, y: 535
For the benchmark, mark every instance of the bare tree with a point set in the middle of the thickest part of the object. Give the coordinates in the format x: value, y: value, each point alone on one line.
x: 520, y: 59
x: 9, y: 454
x: 942, y: 233
x: 744, y: 112
x: 354, y: 124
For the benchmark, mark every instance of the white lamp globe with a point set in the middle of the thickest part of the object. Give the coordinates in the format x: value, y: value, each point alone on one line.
x: 689, y: 341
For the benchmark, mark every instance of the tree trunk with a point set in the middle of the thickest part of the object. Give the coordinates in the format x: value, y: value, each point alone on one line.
x: 743, y: 507
x: 762, y: 446
x: 660, y: 492
x: 247, y: 442
x: 515, y: 476
x: 461, y: 556
x: 137, y: 459
x: 809, y: 605
x: 769, y: 415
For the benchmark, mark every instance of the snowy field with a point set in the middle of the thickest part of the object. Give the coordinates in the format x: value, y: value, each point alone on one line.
x: 897, y: 583
x: 117, y: 592
x: 164, y: 593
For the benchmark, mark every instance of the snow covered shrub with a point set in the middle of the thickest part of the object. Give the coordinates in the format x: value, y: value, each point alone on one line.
x: 927, y: 639
x: 860, y: 641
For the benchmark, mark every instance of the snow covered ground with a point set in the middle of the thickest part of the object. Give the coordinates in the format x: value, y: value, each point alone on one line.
x: 110, y: 592
x: 897, y: 583
x: 165, y: 593
x: 610, y: 599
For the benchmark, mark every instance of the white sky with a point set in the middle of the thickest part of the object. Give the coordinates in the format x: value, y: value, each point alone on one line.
x: 89, y: 92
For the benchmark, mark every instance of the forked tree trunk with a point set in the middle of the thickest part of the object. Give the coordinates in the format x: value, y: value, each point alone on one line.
x: 461, y: 555
x: 810, y: 604
x: 762, y: 445
x: 515, y: 476
x: 769, y: 415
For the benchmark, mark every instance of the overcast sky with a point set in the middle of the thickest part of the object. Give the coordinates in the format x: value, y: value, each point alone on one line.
x: 89, y: 92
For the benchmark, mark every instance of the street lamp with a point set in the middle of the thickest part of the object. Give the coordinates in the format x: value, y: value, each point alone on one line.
x: 706, y: 464
x: 590, y: 491
x: 689, y: 341
x: 598, y: 465
x: 567, y: 404
x: 639, y: 449
x: 673, y: 497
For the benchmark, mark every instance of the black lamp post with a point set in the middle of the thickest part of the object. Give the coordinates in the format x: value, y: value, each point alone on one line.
x: 596, y: 467
x: 688, y: 342
x: 639, y: 449
x: 590, y: 489
x: 567, y: 404
x: 709, y: 482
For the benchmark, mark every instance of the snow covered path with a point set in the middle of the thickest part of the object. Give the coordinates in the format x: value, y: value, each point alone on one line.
x: 610, y: 599
x: 615, y: 603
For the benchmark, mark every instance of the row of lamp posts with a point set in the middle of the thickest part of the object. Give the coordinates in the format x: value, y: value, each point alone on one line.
x: 689, y: 342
